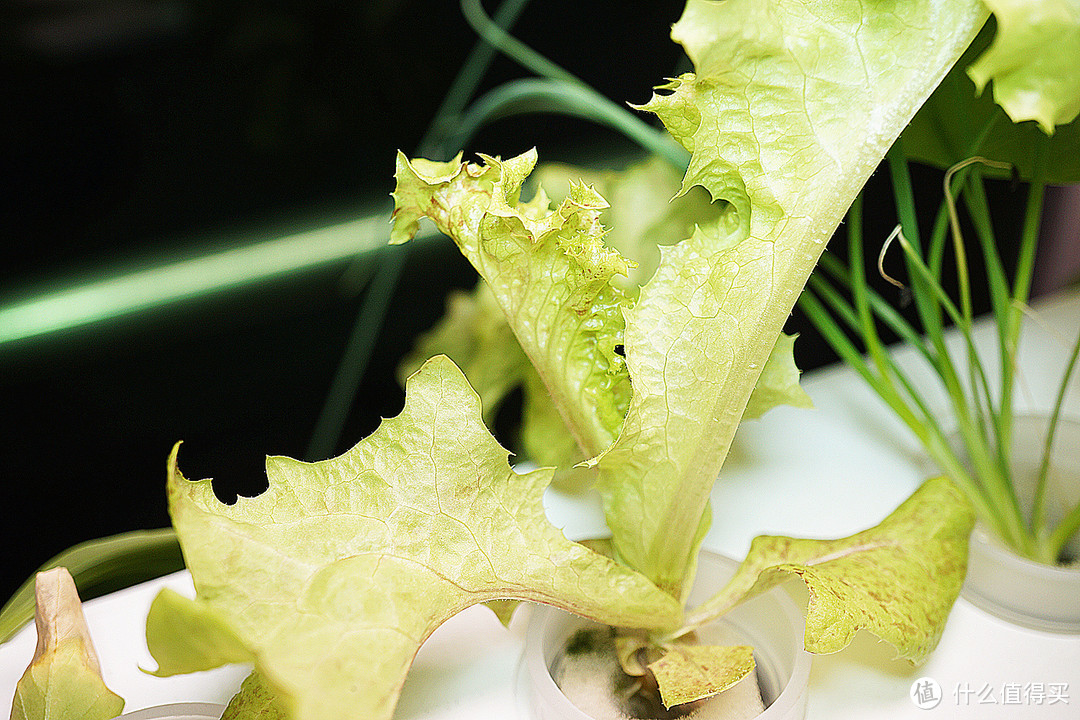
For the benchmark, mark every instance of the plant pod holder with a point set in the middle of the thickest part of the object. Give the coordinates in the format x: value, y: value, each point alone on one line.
x: 1014, y: 588
x: 770, y: 623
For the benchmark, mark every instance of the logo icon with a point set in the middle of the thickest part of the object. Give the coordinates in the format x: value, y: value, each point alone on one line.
x: 926, y: 693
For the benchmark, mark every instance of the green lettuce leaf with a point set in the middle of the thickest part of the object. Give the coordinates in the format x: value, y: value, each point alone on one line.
x: 549, y: 271
x: 1034, y: 61
x: 546, y: 441
x: 63, y: 681
x: 331, y: 579
x: 784, y: 136
x: 898, y: 579
x: 641, y: 217
x: 476, y: 335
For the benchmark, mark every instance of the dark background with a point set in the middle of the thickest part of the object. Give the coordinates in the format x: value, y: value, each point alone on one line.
x: 138, y: 131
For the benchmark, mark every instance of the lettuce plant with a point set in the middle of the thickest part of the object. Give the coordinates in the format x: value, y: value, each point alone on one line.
x: 331, y: 580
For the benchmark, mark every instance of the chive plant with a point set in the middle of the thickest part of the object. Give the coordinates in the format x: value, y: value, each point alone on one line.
x: 973, y: 443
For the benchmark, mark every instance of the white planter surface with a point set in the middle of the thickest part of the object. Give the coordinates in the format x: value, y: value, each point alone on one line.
x: 826, y: 472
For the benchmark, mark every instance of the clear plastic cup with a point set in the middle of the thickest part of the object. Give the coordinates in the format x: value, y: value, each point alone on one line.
x: 1004, y: 584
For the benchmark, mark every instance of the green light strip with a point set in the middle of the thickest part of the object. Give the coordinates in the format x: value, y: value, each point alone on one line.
x: 128, y: 293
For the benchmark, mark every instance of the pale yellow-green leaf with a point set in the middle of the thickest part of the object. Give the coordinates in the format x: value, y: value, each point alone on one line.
x: 952, y: 127
x: 779, y: 382
x: 898, y: 579
x: 692, y: 672
x: 643, y: 214
x: 210, y: 640
x: 333, y: 577
x: 503, y: 609
x: 63, y: 680
x: 791, y: 107
x: 1034, y: 60
x: 474, y: 334
x: 548, y: 269
x: 642, y: 217
x: 546, y: 441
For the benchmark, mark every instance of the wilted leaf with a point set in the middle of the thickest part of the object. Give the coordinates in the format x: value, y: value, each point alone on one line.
x: 63, y: 681
x: 692, y: 672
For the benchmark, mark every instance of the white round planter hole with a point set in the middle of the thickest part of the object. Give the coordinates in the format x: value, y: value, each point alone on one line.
x: 770, y: 623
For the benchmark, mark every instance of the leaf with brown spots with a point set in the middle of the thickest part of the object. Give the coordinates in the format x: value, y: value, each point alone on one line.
x: 898, y: 579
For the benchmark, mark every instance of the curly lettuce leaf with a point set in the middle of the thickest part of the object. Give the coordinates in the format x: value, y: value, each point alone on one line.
x: 63, y: 680
x: 790, y: 108
x: 642, y: 215
x: 476, y: 334
x: 1034, y: 61
x: 332, y: 579
x: 549, y: 270
x: 898, y: 579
